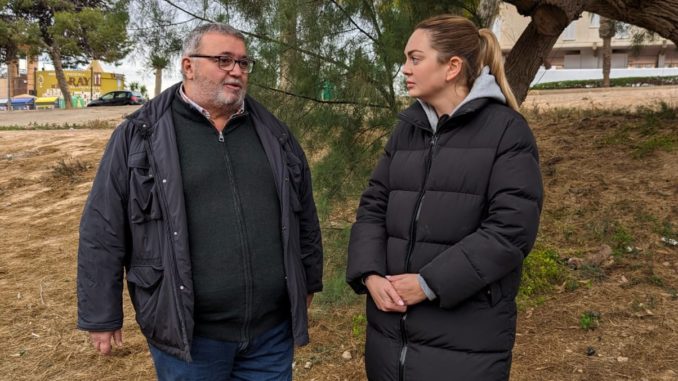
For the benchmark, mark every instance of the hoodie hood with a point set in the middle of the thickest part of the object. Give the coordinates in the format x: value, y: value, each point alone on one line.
x: 485, y: 86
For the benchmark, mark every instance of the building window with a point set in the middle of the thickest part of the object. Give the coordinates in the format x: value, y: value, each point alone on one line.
x: 595, y: 20
x: 569, y: 32
x: 572, y: 61
x: 622, y: 31
x: 496, y: 27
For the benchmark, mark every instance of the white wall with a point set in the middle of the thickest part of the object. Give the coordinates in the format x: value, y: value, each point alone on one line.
x: 545, y: 76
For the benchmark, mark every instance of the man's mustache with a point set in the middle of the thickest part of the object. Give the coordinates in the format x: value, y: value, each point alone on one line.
x: 232, y: 82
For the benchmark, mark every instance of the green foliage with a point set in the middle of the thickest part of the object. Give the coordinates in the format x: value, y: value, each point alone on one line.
x: 92, y: 125
x: 589, y: 320
x: 657, y: 130
x: 621, y: 240
x: 335, y: 290
x: 542, y: 270
x: 353, y: 46
x: 92, y: 33
x: 358, y: 326
x: 614, y: 82
x: 79, y: 30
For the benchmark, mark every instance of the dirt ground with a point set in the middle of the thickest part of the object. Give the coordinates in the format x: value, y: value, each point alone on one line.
x: 599, y: 189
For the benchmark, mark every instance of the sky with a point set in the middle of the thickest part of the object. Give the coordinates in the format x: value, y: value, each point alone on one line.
x: 135, y: 71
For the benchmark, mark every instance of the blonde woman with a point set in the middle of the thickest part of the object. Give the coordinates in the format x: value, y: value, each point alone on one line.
x: 450, y: 212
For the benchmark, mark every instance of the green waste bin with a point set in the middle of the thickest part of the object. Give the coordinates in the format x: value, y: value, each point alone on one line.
x: 327, y: 92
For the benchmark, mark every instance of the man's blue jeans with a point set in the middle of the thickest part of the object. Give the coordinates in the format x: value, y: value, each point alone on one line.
x: 267, y: 357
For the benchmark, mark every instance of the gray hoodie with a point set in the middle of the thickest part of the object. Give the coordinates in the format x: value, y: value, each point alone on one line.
x: 485, y: 86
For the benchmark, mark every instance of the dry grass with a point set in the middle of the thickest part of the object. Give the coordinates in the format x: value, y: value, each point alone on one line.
x: 598, y: 192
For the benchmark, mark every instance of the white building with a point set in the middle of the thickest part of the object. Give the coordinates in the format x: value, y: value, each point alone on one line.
x: 577, y: 53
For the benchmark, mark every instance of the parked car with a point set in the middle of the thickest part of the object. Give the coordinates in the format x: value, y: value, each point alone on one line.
x: 118, y: 98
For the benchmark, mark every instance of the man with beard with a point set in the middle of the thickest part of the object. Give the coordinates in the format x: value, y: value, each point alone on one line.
x: 204, y: 199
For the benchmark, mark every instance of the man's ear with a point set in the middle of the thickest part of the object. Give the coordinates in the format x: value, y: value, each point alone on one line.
x: 454, y: 68
x: 187, y: 67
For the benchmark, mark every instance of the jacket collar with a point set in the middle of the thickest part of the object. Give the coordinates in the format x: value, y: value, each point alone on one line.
x: 151, y: 112
x: 485, y: 89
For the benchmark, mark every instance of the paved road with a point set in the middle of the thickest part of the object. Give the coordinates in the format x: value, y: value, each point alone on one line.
x: 77, y: 116
x: 618, y: 97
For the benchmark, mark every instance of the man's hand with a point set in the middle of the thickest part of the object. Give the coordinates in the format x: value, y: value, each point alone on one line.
x: 407, y: 286
x: 102, y: 340
x: 309, y: 300
x: 384, y: 295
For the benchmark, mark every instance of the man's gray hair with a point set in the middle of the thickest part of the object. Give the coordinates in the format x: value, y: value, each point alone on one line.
x: 192, y: 42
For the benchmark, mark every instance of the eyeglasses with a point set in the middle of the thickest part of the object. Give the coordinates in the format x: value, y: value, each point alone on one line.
x: 227, y: 63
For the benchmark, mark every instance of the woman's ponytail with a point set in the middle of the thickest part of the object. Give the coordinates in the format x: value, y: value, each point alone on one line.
x: 490, y: 55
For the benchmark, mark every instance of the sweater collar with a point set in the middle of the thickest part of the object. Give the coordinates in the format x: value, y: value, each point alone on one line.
x: 201, y: 110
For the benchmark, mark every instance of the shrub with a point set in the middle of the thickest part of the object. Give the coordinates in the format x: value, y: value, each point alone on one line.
x: 542, y: 270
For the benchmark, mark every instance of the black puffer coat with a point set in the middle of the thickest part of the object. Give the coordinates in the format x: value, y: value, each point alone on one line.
x: 460, y: 207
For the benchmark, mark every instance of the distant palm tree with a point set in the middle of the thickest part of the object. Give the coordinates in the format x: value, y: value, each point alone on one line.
x: 158, y: 63
x: 606, y: 31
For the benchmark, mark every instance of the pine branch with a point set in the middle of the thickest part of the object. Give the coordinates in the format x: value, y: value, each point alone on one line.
x: 266, y: 38
x: 354, y: 23
x: 160, y: 26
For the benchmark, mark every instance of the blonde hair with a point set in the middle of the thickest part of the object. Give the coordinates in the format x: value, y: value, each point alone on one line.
x: 457, y: 36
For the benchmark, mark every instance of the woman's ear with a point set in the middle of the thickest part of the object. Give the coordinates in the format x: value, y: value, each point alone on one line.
x: 454, y: 67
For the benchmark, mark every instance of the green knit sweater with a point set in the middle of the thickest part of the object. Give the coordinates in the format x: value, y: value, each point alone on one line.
x: 234, y: 232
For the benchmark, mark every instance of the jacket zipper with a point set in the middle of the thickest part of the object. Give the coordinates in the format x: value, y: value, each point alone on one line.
x: 244, y: 242
x: 420, y: 198
x: 173, y: 268
x: 410, y: 249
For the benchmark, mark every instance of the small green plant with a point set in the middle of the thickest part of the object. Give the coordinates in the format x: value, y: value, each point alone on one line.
x: 655, y: 143
x: 589, y: 320
x: 336, y: 292
x: 542, y: 270
x: 595, y: 273
x: 359, y: 322
x: 571, y: 285
x: 656, y: 280
x: 621, y: 240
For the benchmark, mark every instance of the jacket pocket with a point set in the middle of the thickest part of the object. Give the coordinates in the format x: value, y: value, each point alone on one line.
x: 144, y: 282
x: 144, y: 203
x: 494, y: 293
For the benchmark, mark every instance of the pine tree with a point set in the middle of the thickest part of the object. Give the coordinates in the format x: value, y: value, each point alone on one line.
x: 74, y: 32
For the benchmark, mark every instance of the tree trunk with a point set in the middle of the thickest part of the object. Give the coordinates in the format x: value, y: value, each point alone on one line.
x: 606, y: 31
x: 549, y: 19
x: 607, y: 60
x: 12, y: 74
x: 522, y: 63
x: 289, y: 36
x: 158, y: 81
x: 660, y: 16
x: 55, y: 55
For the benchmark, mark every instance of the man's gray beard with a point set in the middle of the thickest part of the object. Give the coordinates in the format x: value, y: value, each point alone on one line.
x: 230, y: 102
